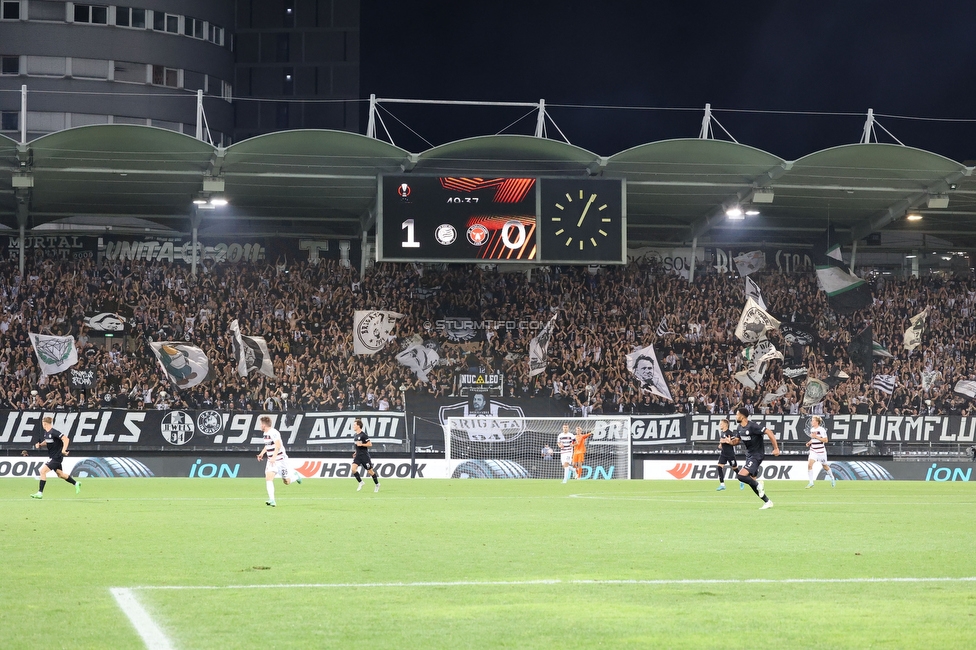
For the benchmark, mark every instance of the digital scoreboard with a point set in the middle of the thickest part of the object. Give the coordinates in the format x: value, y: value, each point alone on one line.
x: 501, y: 219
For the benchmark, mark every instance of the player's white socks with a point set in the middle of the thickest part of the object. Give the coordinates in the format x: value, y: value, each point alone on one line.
x: 812, y: 473
x: 568, y: 474
x: 270, y: 490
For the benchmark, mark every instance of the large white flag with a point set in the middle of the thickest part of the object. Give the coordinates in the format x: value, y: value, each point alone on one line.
x: 750, y: 262
x: 753, y: 291
x: 420, y: 359
x: 913, y: 335
x: 643, y: 365
x: 251, y: 353
x: 54, y: 353
x: 539, y: 348
x: 186, y: 365
x: 754, y: 322
x: 372, y: 329
x: 965, y: 387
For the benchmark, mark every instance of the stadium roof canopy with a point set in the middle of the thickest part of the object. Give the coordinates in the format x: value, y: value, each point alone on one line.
x: 139, y: 180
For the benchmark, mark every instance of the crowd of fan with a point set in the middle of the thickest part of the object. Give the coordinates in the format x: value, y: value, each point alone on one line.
x: 305, y: 312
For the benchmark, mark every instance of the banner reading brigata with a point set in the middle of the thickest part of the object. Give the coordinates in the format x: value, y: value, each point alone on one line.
x: 186, y: 430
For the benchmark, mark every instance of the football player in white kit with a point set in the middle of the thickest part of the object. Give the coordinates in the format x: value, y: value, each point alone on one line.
x: 818, y: 451
x: 277, y: 459
x: 565, y: 442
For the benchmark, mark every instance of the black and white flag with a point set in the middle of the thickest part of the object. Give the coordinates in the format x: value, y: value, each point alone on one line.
x: 966, y: 388
x: 250, y: 353
x: 913, y: 335
x: 750, y: 262
x: 753, y: 291
x: 754, y: 322
x: 373, y: 329
x: 837, y: 377
x: 420, y: 359
x: 798, y: 334
x: 539, y: 348
x: 643, y: 365
x: 662, y: 329
x: 885, y: 383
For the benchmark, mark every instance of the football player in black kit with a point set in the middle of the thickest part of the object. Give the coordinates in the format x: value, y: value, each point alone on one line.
x: 751, y: 435
x: 726, y: 455
x: 361, y: 456
x: 57, y: 448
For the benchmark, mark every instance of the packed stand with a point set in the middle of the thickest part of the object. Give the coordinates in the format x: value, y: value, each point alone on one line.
x: 305, y: 312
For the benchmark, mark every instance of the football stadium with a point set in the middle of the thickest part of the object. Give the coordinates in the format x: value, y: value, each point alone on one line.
x: 293, y: 385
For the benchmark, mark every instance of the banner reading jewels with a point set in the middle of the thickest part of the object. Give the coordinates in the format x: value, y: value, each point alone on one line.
x: 190, y: 430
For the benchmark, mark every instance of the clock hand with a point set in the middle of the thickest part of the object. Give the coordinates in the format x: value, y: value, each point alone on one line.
x: 585, y: 208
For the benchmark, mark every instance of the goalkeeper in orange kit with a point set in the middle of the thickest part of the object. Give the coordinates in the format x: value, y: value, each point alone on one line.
x: 579, y: 450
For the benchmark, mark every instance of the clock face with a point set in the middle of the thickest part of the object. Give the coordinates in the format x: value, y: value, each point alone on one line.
x: 582, y: 221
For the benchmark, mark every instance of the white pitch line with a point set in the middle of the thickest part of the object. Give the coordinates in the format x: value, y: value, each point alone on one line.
x: 520, y: 583
x: 153, y: 637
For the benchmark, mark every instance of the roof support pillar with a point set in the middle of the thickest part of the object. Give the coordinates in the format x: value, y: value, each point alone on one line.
x: 23, y: 202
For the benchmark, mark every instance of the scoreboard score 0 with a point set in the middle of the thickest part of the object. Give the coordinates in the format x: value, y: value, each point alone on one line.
x: 500, y: 219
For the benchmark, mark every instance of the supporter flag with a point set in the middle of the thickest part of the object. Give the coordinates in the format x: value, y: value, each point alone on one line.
x: 836, y: 378
x: 54, y: 353
x: 754, y: 322
x: 749, y: 378
x: 762, y: 353
x: 643, y: 365
x: 796, y: 334
x: 753, y: 291
x: 879, y: 350
x: 846, y: 293
x: 769, y: 398
x: 966, y: 388
x: 420, y: 359
x: 861, y: 351
x: 106, y: 322
x: 794, y: 372
x: 373, y: 329
x: 186, y: 365
x: 751, y: 262
x: 251, y: 353
x: 539, y: 348
x: 662, y: 329
x: 885, y: 383
x: 460, y: 329
x: 815, y: 392
x: 913, y: 335
x: 929, y: 377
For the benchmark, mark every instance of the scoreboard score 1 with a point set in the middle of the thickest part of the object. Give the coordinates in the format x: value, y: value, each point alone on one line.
x: 500, y: 219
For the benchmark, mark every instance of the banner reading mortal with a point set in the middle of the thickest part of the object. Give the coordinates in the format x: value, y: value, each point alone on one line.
x: 185, y: 365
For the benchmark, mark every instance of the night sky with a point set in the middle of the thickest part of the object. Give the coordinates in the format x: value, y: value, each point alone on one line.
x: 743, y: 57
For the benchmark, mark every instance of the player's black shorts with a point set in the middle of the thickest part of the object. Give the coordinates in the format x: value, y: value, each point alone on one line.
x: 363, y: 460
x: 753, y: 463
x: 727, y: 459
x: 54, y: 463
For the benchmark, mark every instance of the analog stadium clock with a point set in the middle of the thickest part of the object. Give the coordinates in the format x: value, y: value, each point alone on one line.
x: 582, y: 221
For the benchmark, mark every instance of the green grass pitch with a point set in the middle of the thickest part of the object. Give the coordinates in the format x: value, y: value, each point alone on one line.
x: 488, y: 564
